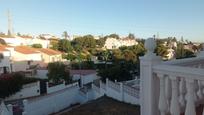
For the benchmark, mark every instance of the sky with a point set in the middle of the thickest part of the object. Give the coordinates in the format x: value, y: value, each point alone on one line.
x: 144, y: 18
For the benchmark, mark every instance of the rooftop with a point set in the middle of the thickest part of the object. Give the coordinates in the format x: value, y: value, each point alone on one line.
x: 26, y: 50
x: 49, y: 51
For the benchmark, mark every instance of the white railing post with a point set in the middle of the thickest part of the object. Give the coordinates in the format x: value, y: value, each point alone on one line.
x: 174, y: 108
x: 190, y: 106
x: 25, y: 104
x: 168, y: 91
x: 149, y: 85
x: 163, y: 107
x: 121, y: 92
x: 200, y: 91
x: 182, y: 92
x: 10, y: 108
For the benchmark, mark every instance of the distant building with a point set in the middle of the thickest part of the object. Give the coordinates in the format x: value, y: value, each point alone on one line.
x: 23, y: 53
x: 5, y: 65
x: 113, y: 43
x: 49, y: 55
x: 19, y: 41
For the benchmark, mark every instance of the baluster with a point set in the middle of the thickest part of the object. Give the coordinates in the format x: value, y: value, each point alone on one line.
x: 174, y: 108
x: 182, y: 89
x: 203, y: 111
x: 163, y: 107
x: 190, y: 106
x: 196, y: 88
x: 168, y: 91
x: 200, y: 93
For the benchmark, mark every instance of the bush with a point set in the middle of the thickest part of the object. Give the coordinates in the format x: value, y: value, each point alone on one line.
x: 12, y: 83
x: 57, y: 72
x: 37, y: 46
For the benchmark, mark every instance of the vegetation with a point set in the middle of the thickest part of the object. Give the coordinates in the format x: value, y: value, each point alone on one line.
x: 117, y: 64
x: 64, y: 45
x: 36, y: 46
x: 65, y: 35
x: 2, y: 42
x: 12, y: 83
x: 57, y: 72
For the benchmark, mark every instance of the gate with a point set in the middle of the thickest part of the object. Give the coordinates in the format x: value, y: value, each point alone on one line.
x: 43, y: 87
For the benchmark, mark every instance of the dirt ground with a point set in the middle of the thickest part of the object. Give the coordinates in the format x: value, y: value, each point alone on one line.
x: 105, y: 106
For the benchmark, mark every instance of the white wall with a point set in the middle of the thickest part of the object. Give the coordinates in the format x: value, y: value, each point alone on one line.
x: 53, y: 102
x: 22, y: 57
x: 117, y: 93
x: 88, y: 78
x: 20, y: 66
x: 85, y: 78
x: 59, y: 87
x: 42, y: 73
x: 5, y: 62
x: 28, y: 90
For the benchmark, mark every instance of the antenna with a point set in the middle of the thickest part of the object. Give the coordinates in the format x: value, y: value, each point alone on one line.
x: 10, y: 32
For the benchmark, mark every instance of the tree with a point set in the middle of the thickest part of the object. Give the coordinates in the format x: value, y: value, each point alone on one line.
x: 89, y: 41
x: 131, y: 36
x: 100, y: 42
x: 57, y: 72
x: 54, y: 44
x: 37, y: 46
x: 114, y: 36
x: 65, y: 35
x: 2, y: 41
x: 64, y: 45
x: 18, y: 34
x: 86, y: 41
x: 120, y: 72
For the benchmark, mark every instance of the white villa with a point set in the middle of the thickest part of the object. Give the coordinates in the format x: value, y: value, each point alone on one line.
x: 19, y: 41
x: 113, y: 43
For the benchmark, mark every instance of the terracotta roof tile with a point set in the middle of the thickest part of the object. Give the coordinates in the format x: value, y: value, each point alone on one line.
x: 3, y: 47
x: 26, y: 50
x: 49, y: 51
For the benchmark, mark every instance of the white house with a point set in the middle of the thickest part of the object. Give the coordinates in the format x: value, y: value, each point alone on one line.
x: 5, y: 55
x: 19, y: 41
x: 113, y: 43
x: 23, y: 53
x: 50, y: 55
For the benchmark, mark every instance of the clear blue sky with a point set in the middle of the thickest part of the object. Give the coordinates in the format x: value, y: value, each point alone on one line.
x: 141, y: 17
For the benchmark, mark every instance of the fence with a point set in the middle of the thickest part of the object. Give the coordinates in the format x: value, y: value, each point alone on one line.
x: 59, y: 87
x: 118, y: 91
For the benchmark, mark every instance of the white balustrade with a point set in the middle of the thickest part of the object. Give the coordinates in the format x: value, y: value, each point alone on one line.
x: 181, y: 82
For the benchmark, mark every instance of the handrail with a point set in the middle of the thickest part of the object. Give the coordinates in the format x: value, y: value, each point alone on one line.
x: 184, y: 61
x: 173, y: 70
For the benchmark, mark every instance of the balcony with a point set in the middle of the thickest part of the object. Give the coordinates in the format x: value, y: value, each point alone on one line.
x: 172, y: 87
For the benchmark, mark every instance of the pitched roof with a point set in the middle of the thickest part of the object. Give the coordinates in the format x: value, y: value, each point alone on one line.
x: 49, y: 51
x: 26, y: 50
x: 3, y: 47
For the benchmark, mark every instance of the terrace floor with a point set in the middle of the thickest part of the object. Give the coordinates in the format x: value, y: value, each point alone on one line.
x: 104, y: 106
